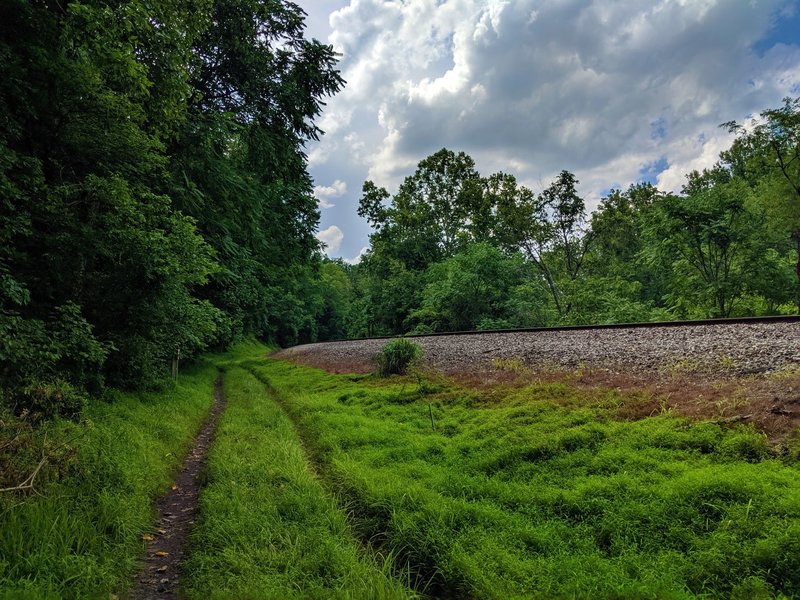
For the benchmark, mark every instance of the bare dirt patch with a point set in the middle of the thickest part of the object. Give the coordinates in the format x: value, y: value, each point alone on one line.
x: 770, y: 402
x: 177, y: 510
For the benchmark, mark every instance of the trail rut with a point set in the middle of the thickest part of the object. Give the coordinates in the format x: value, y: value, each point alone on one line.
x: 167, y: 544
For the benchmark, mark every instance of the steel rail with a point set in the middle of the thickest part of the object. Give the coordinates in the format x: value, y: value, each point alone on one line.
x: 640, y: 325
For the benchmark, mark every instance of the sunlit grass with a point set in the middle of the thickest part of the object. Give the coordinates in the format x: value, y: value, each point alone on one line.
x: 521, y: 496
x: 268, y: 528
x: 80, y: 537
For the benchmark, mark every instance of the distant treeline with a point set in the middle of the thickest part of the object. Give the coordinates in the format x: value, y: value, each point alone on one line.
x: 453, y: 250
x: 154, y: 196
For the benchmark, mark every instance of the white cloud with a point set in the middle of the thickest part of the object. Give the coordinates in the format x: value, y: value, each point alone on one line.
x: 332, y: 238
x: 357, y: 258
x: 536, y: 86
x: 324, y: 194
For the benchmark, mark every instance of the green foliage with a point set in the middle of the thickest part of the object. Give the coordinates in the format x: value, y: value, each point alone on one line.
x: 471, y: 287
x: 767, y: 155
x: 542, y: 492
x: 80, y: 534
x: 396, y: 357
x: 154, y: 197
x: 48, y: 400
x: 713, y: 240
x: 727, y: 246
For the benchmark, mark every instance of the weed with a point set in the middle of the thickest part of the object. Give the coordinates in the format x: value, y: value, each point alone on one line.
x: 80, y: 533
x: 396, y: 357
x: 681, y: 366
x: 726, y: 362
x: 510, y: 365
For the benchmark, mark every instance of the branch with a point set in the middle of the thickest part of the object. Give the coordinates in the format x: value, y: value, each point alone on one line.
x: 734, y: 419
x: 28, y: 483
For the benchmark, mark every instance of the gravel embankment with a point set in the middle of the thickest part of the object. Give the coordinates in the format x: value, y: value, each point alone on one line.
x: 732, y: 348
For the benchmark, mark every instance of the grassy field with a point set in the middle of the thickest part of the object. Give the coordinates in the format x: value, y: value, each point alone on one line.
x: 542, y: 492
x: 351, y: 486
x: 80, y: 534
x: 268, y: 528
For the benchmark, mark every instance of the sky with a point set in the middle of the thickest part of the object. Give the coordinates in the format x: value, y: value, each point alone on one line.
x: 616, y: 92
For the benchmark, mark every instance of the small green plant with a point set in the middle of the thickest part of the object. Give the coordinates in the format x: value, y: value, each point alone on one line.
x: 726, y: 362
x: 396, y: 357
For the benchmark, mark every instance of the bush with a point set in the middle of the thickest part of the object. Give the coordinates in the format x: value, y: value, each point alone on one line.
x: 47, y: 400
x: 396, y: 357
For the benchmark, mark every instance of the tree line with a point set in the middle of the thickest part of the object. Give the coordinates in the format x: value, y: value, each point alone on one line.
x: 155, y: 202
x: 154, y: 196
x: 454, y: 250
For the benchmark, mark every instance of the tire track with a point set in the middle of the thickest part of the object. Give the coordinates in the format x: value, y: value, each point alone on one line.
x: 365, y: 530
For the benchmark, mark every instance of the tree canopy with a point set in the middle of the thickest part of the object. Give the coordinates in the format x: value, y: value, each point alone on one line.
x: 154, y: 197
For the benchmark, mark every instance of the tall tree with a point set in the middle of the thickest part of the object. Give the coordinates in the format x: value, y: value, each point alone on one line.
x: 711, y: 240
x: 433, y: 212
x: 87, y: 231
x: 770, y: 148
x: 239, y: 166
x: 551, y: 230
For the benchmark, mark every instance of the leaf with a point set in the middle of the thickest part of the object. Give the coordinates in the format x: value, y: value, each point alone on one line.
x: 161, y: 553
x: 148, y: 537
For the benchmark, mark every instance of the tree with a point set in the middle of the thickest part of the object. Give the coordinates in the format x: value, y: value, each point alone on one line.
x: 471, y: 287
x: 432, y: 214
x: 551, y: 231
x: 770, y: 148
x: 238, y: 164
x: 711, y: 239
x: 94, y: 245
x: 152, y: 173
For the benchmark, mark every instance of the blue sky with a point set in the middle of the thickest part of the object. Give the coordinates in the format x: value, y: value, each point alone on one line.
x: 616, y: 92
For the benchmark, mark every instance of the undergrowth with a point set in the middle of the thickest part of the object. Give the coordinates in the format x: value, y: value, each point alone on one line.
x: 268, y: 528
x: 78, y: 532
x: 542, y: 493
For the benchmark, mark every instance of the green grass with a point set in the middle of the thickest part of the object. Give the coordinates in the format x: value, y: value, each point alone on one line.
x: 80, y: 535
x: 336, y: 486
x: 268, y: 528
x: 516, y: 495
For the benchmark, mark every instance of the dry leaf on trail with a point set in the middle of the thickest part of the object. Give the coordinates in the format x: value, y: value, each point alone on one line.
x: 174, y: 486
x: 162, y: 569
x: 148, y: 537
x: 162, y: 553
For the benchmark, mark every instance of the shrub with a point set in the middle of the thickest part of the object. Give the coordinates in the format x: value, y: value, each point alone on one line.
x: 47, y: 400
x: 396, y: 357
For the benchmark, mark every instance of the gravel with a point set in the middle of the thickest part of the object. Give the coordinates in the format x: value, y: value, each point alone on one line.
x: 740, y: 348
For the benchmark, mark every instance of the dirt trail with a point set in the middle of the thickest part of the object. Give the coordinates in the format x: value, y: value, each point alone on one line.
x: 177, y: 510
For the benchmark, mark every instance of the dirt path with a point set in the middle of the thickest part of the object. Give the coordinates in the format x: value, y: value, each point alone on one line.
x: 177, y: 509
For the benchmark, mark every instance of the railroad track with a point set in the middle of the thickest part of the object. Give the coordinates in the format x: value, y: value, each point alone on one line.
x: 640, y: 325
x: 741, y: 345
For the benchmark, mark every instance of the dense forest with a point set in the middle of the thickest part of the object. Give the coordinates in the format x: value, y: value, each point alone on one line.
x: 154, y: 196
x: 155, y: 202
x: 455, y: 250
